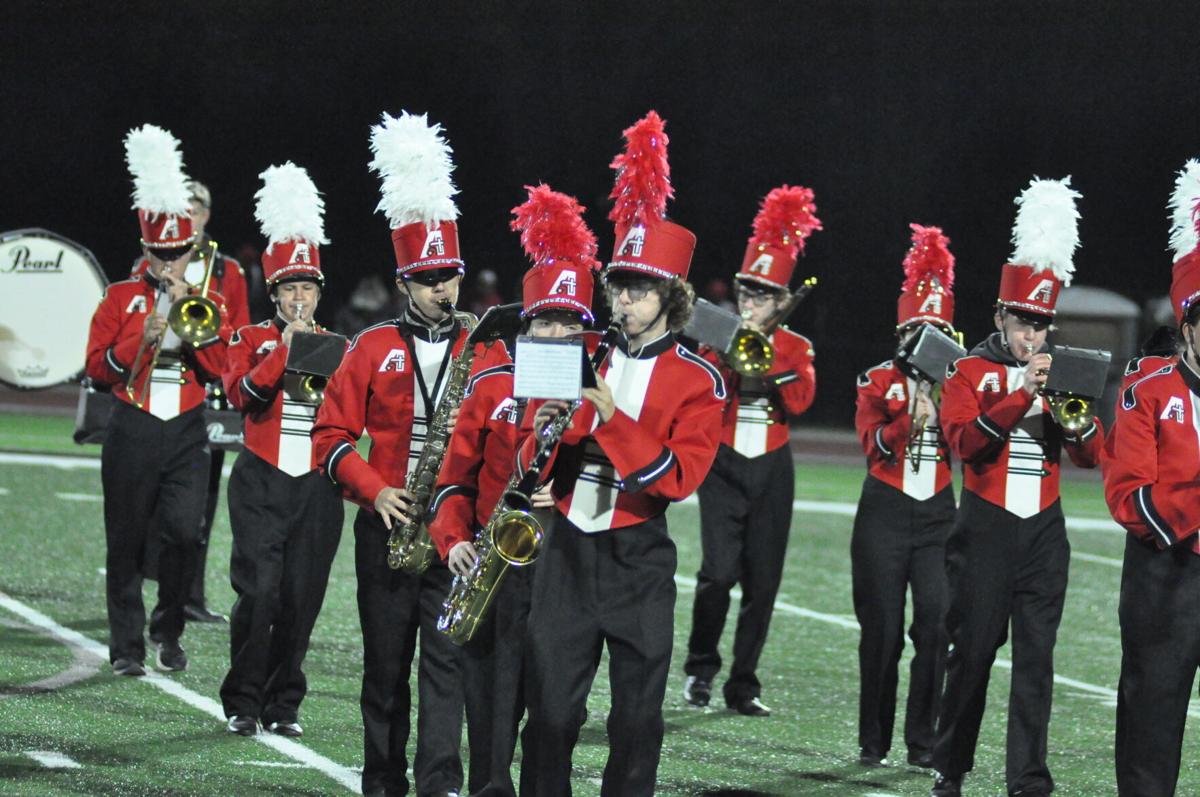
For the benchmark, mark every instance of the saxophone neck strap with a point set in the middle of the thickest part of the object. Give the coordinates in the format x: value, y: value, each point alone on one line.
x: 429, y: 397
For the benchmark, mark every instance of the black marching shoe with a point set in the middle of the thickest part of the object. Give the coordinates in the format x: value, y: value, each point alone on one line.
x: 750, y: 707
x: 945, y: 786
x: 197, y: 613
x: 291, y: 729
x: 127, y: 666
x: 242, y: 725
x: 171, y: 657
x: 697, y: 691
x: 871, y: 758
x: 923, y: 760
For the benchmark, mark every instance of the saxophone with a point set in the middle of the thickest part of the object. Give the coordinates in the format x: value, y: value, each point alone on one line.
x: 410, y: 548
x: 513, y: 536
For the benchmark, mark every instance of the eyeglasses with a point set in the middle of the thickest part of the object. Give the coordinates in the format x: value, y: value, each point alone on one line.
x: 755, y: 298
x: 636, y: 289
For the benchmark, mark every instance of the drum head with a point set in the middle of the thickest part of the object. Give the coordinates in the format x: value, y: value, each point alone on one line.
x: 49, y: 290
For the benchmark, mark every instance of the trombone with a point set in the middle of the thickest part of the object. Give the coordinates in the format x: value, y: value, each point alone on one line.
x: 194, y: 319
x: 916, y: 434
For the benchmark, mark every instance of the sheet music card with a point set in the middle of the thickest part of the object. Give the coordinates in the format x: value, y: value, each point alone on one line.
x: 548, y: 368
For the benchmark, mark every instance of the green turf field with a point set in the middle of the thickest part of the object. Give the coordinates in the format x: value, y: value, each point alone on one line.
x: 130, y: 737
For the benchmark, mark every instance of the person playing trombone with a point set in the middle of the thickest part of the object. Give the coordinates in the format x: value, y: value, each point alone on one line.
x: 746, y: 499
x: 904, y: 517
x: 154, y: 463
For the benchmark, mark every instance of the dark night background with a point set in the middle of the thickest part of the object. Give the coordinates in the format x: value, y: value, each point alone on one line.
x: 893, y: 112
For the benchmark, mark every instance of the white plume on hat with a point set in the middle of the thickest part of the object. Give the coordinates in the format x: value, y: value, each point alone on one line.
x: 289, y: 206
x: 413, y: 159
x: 1046, y: 232
x: 159, y: 184
x: 1182, y: 206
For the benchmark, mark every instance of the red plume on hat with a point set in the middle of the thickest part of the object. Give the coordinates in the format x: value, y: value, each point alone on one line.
x: 645, y: 240
x: 563, y: 251
x: 786, y: 217
x: 928, y: 290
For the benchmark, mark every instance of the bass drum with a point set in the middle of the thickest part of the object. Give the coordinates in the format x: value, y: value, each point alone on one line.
x: 49, y: 289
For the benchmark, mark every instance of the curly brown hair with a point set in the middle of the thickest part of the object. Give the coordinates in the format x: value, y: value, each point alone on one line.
x: 676, y: 296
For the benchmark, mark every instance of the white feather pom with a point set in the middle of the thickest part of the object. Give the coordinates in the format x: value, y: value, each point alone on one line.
x: 289, y: 206
x: 413, y: 159
x: 159, y: 184
x: 1183, y: 205
x: 1046, y: 232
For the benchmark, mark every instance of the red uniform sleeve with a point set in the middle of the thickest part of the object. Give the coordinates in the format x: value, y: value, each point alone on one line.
x: 111, y: 349
x: 339, y: 424
x: 882, y: 437
x: 1166, y: 512
x: 233, y: 288
x: 458, y: 482
x: 1086, y: 448
x: 248, y: 384
x: 673, y: 468
x: 973, y: 434
x: 794, y: 378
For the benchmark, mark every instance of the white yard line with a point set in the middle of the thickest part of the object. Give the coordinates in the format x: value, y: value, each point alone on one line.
x: 79, y: 497
x: 52, y: 760
x: 297, y: 752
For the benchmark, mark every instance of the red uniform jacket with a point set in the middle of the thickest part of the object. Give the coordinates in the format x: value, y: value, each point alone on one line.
x: 883, y: 419
x: 480, y: 460
x: 373, y: 390
x: 278, y: 425
x: 1152, y: 457
x: 230, y: 283
x: 1008, y: 442
x: 757, y: 411
x: 177, y: 383
x: 657, y: 447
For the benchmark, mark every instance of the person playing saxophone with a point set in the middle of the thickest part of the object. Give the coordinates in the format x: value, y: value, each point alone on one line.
x: 389, y: 385
x: 557, y: 302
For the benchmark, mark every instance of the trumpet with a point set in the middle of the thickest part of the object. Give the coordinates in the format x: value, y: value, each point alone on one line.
x: 194, y: 319
x: 916, y: 434
x: 751, y: 353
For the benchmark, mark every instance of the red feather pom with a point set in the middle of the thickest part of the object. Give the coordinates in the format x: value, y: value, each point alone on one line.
x: 643, y: 183
x: 786, y: 217
x: 552, y: 229
x: 928, y: 258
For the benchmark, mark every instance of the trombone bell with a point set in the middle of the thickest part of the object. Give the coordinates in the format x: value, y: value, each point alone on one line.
x: 1072, y: 413
x: 195, y: 319
x: 751, y: 353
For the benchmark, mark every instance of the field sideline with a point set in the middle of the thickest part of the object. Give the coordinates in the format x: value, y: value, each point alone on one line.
x: 67, y: 726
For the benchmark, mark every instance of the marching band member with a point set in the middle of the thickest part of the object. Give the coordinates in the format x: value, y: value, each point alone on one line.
x: 746, y: 499
x: 479, y: 464
x: 1007, y: 556
x: 389, y: 385
x: 646, y: 435
x: 227, y: 279
x: 154, y: 463
x: 1151, y: 488
x: 904, y: 517
x: 286, y: 517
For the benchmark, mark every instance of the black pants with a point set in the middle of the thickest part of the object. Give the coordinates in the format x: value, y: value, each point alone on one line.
x: 616, y: 588
x: 153, y: 473
x: 1000, y: 568
x: 392, y: 606
x: 745, y: 517
x: 1160, y: 650
x: 495, y: 694
x: 899, y: 542
x: 285, y: 534
x: 196, y: 590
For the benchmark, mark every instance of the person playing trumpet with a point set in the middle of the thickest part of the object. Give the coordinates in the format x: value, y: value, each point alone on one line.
x: 286, y: 518
x: 746, y: 499
x: 904, y: 517
x: 1007, y: 555
x: 154, y: 463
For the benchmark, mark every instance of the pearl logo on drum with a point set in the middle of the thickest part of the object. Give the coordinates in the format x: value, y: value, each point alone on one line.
x: 21, y: 261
